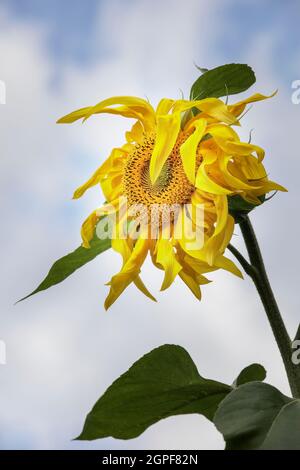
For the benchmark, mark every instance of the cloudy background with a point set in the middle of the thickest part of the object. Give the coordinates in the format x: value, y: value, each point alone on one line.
x: 63, y: 349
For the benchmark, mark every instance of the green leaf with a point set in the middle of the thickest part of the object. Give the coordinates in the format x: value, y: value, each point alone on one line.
x: 258, y: 416
x: 68, y: 264
x: 285, y: 431
x: 225, y: 80
x: 297, y: 337
x: 252, y: 373
x: 163, y: 383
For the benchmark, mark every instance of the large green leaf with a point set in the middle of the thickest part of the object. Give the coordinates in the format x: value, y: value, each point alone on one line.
x: 225, y: 80
x: 66, y: 265
x: 163, y: 383
x: 258, y: 416
x: 252, y: 373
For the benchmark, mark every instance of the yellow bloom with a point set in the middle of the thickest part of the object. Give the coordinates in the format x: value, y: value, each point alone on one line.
x: 168, y: 161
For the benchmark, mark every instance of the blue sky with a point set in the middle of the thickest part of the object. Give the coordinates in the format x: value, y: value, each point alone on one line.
x: 63, y: 350
x: 70, y: 25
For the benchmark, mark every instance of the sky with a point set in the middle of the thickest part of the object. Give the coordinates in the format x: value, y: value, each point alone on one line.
x: 63, y: 350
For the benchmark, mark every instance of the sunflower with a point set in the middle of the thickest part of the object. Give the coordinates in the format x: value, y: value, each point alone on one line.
x: 183, y: 155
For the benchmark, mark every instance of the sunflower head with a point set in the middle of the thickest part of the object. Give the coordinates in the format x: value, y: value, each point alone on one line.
x: 171, y: 186
x: 167, y: 187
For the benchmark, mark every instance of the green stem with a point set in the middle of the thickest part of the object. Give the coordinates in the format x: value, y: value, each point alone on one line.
x: 257, y: 271
x: 297, y: 337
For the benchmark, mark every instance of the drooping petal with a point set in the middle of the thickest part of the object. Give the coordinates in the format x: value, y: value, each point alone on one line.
x: 135, y: 104
x: 191, y: 283
x: 211, y: 106
x: 218, y: 110
x: 129, y: 271
x: 228, y: 265
x: 88, y: 229
x: 103, y: 170
x: 82, y: 113
x: 205, y: 183
x: 136, y: 133
x: 199, y: 267
x: 191, y: 272
x: 111, y: 207
x: 272, y: 186
x: 165, y: 256
x: 122, y: 246
x: 223, y: 230
x: 204, y: 180
x: 223, y: 131
x: 74, y: 115
x: 167, y: 130
x: 236, y: 183
x: 239, y: 107
x: 89, y: 225
x: 132, y: 107
x: 112, y: 186
x: 188, y: 149
x: 141, y: 286
x: 189, y: 229
x: 240, y: 148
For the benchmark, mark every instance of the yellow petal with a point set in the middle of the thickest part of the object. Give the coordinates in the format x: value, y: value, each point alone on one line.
x: 129, y: 271
x: 112, y: 186
x: 181, y: 106
x: 223, y: 230
x: 74, y: 116
x: 204, y: 181
x: 217, y: 109
x: 223, y: 131
x: 238, y: 108
x: 121, y: 245
x: 227, y: 234
x: 133, y: 103
x: 226, y: 263
x: 166, y: 258
x: 272, y: 186
x: 211, y: 106
x: 141, y: 286
x: 82, y: 113
x: 234, y: 182
x: 188, y: 149
x: 131, y: 107
x: 191, y: 272
x: 168, y: 127
x: 89, y: 225
x: 88, y: 229
x: 240, y: 148
x: 99, y: 173
x: 164, y: 106
x: 136, y: 134
x: 191, y: 283
x: 110, y: 208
